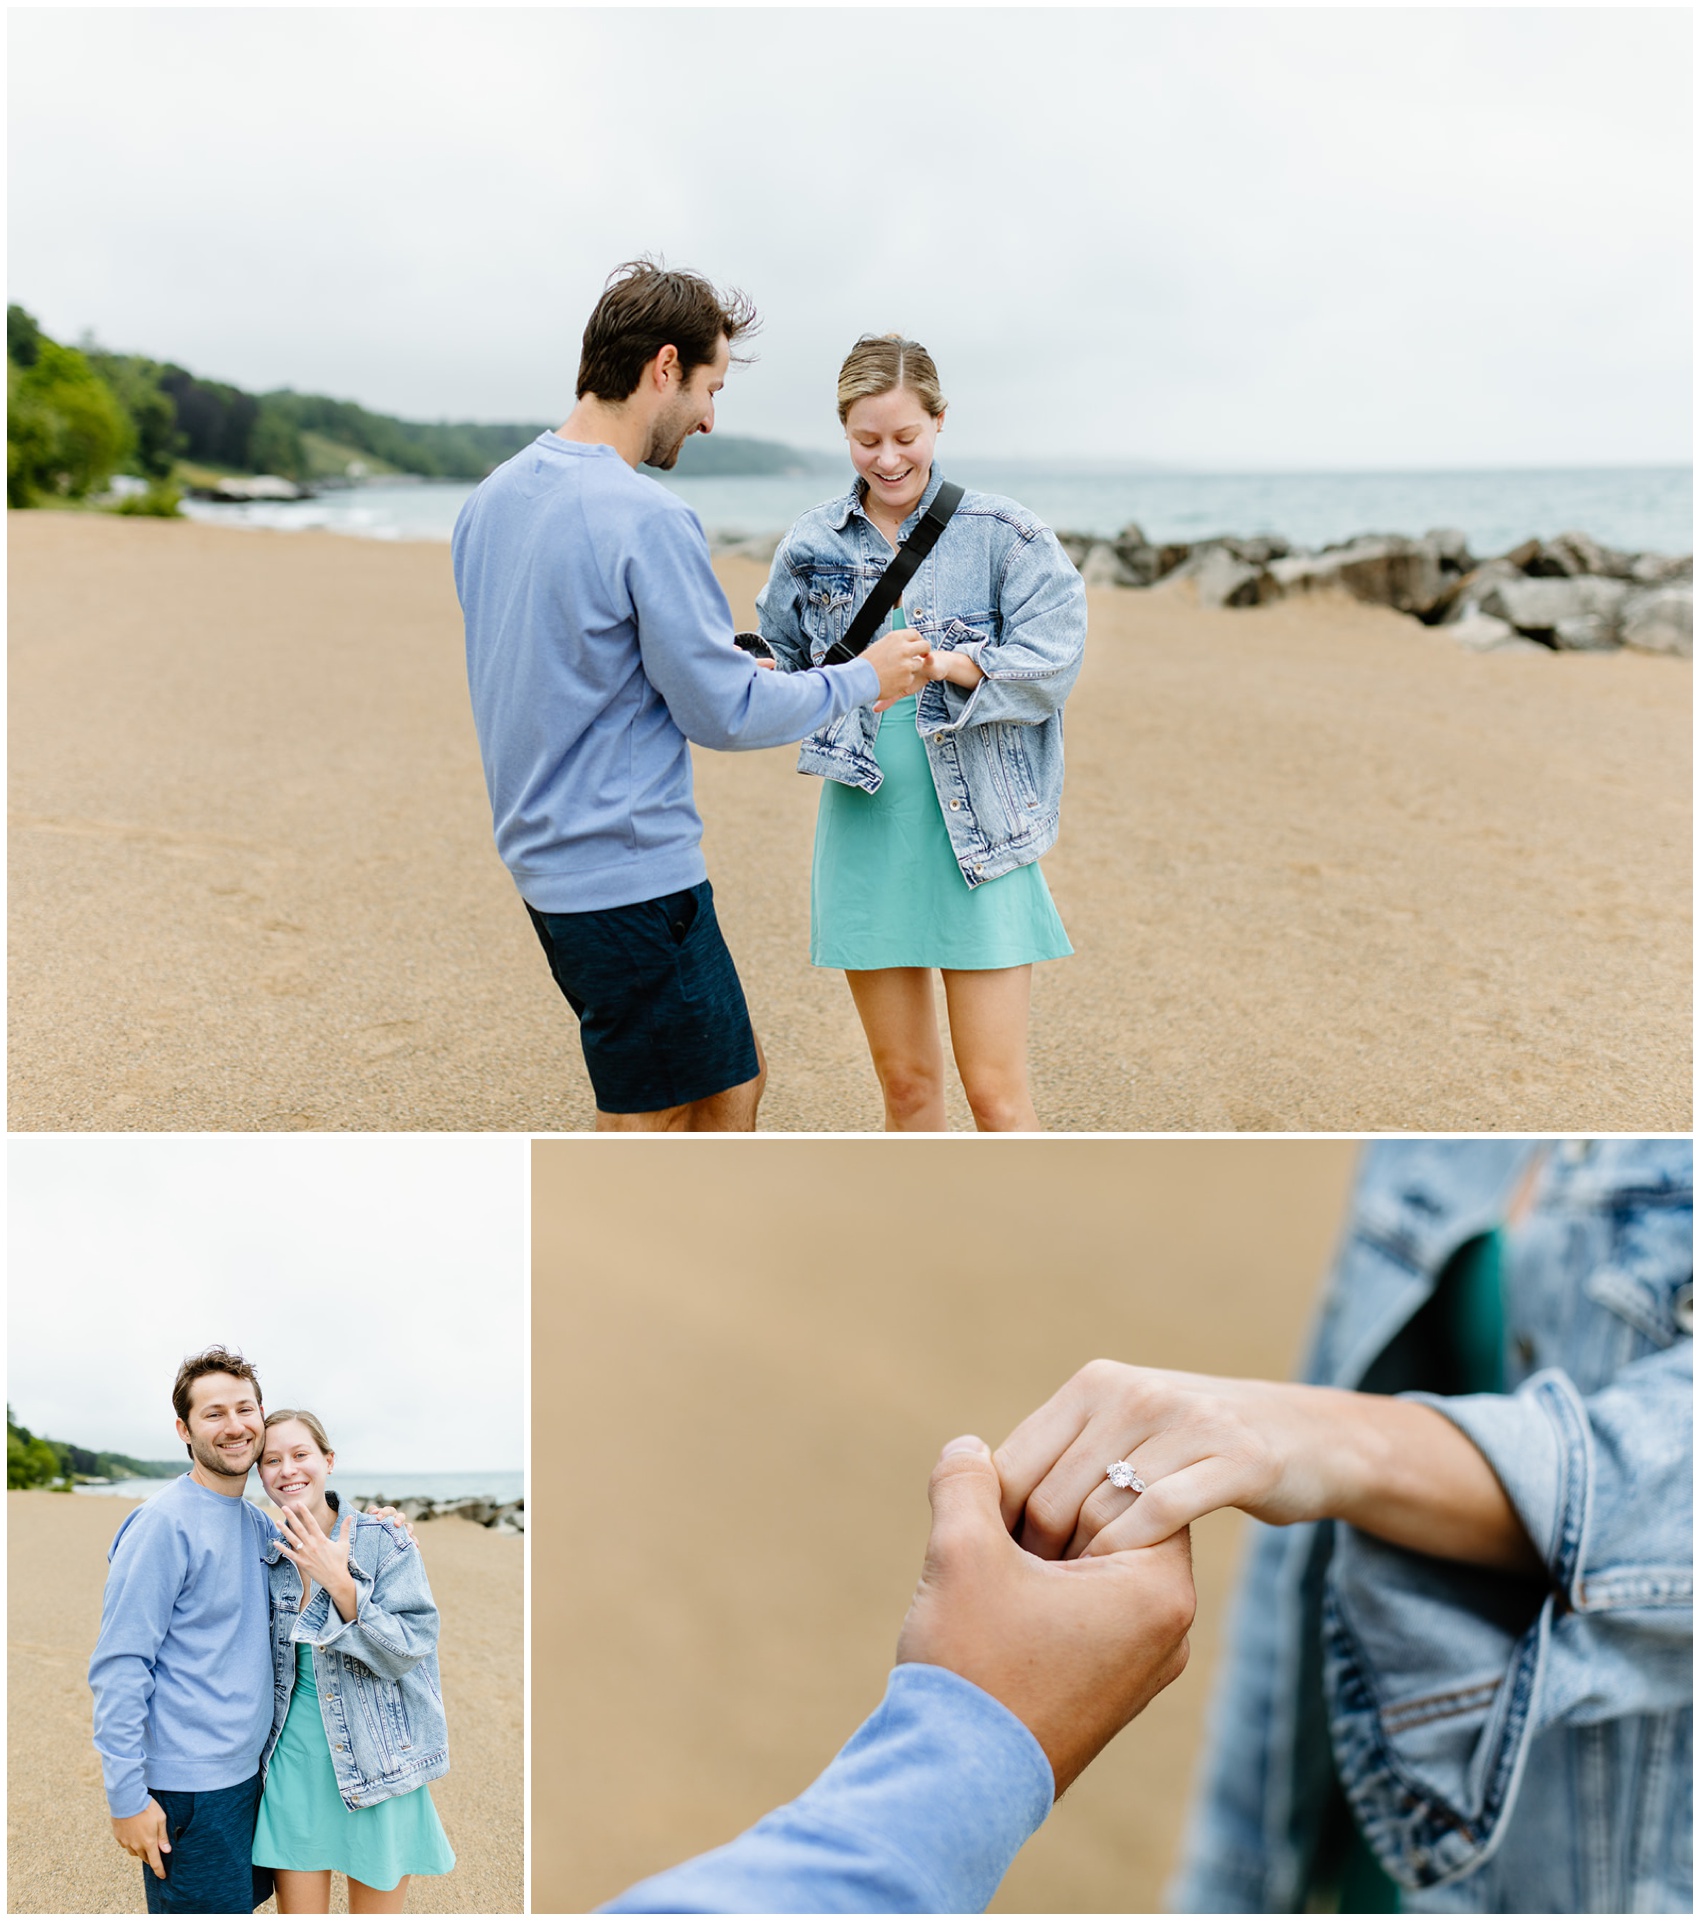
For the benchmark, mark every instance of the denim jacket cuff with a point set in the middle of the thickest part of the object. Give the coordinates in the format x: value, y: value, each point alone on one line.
x: 321, y: 1610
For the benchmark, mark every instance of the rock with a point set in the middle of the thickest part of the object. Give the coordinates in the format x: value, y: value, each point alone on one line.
x: 1660, y: 622
x: 1536, y: 606
x: 1452, y: 546
x: 758, y: 547
x: 1574, y: 553
x: 1463, y: 598
x: 1224, y: 579
x: 1147, y: 563
x: 1217, y: 577
x: 1383, y: 569
x: 1584, y: 634
x: 1103, y: 567
x: 1076, y: 546
x: 1519, y: 557
x: 1653, y: 570
x: 1487, y: 634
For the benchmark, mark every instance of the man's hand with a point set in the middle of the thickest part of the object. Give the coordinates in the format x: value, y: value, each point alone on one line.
x: 1074, y: 1649
x: 143, y: 1835
x: 900, y: 660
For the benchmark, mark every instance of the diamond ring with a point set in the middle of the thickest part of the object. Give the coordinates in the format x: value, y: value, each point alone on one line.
x: 1120, y: 1474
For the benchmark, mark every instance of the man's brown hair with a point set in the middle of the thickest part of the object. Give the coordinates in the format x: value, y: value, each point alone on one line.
x: 211, y: 1360
x: 647, y: 306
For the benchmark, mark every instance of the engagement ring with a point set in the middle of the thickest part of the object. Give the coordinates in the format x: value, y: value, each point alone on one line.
x: 1119, y: 1474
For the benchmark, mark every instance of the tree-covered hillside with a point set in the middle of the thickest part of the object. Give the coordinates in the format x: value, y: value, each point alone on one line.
x: 32, y: 1461
x: 77, y: 416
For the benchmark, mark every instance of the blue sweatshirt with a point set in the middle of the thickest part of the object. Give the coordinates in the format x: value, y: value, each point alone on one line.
x: 921, y: 1813
x: 598, y: 643
x: 182, y: 1671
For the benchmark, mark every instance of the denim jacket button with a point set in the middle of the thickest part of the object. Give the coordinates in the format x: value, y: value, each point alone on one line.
x: 937, y: 738
x: 954, y: 805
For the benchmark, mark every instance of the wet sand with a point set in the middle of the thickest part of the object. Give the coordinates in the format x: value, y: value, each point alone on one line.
x: 748, y: 1386
x: 61, y: 1857
x: 1321, y: 870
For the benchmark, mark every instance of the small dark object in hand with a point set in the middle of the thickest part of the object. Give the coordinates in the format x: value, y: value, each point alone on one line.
x: 754, y: 644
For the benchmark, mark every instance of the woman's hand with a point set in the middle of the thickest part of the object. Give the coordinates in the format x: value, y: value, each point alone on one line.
x: 1278, y: 1451
x: 1197, y: 1443
x: 963, y: 669
x: 319, y: 1558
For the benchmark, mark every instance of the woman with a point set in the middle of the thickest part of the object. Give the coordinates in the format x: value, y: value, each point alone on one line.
x: 357, y: 1725
x: 1459, y: 1676
x: 931, y: 825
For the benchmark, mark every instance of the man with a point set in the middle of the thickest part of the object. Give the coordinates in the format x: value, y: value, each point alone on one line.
x: 182, y: 1672
x: 1013, y: 1673
x: 598, y: 645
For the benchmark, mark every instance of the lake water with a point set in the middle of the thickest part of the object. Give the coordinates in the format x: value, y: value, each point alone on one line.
x: 1636, y: 508
x: 503, y: 1484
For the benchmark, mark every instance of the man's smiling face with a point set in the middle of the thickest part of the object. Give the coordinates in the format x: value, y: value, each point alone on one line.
x: 226, y: 1427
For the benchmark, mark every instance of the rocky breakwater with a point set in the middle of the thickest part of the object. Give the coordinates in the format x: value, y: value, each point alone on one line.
x: 1569, y: 594
x: 500, y: 1517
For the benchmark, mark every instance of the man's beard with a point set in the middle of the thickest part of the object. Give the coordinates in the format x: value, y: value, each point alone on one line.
x: 663, y: 448
x: 214, y: 1462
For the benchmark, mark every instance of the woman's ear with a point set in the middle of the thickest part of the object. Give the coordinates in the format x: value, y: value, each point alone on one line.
x: 938, y: 419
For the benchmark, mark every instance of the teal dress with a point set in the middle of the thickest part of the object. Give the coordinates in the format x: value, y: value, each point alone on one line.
x: 305, y: 1823
x: 887, y: 891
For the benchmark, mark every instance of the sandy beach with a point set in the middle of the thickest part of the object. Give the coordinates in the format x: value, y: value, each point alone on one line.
x: 753, y: 1383
x: 61, y: 1858
x: 1321, y: 869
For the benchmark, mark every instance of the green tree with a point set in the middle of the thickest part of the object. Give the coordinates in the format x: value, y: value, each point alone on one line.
x: 30, y: 1461
x: 153, y: 414
x: 66, y: 433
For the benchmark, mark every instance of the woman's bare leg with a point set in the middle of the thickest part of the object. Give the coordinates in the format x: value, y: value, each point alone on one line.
x: 303, y: 1890
x: 365, y: 1900
x: 902, y: 1026
x: 988, y: 1036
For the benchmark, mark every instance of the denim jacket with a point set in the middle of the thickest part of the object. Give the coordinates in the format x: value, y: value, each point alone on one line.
x: 996, y: 587
x: 1504, y: 1745
x: 379, y: 1696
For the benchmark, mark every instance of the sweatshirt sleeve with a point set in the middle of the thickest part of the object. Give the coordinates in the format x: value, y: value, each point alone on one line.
x: 920, y: 1813
x: 717, y: 695
x: 149, y: 1564
x: 1441, y: 1678
x: 1031, y: 668
x: 395, y: 1619
x: 779, y: 611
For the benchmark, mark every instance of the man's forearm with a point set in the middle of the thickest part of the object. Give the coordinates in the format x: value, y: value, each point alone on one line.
x: 1401, y: 1471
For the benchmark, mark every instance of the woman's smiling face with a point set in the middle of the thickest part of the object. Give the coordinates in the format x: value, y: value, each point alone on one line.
x: 292, y: 1469
x: 891, y: 438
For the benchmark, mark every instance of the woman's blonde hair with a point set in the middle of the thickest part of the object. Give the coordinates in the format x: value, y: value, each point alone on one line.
x: 881, y: 363
x: 310, y: 1422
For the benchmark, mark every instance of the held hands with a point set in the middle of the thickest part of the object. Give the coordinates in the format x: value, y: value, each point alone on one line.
x: 144, y: 1836
x: 1074, y: 1649
x: 901, y: 661
x: 320, y: 1559
x: 1198, y: 1443
x: 1279, y: 1451
x: 962, y: 669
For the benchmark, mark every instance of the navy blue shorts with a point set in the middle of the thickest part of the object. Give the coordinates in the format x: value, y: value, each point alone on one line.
x: 661, y: 1010
x: 210, y: 1869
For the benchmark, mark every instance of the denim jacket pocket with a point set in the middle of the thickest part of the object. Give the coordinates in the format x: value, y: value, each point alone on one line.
x: 827, y: 606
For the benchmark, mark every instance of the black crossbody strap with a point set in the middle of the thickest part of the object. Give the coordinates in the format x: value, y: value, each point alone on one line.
x: 888, y: 589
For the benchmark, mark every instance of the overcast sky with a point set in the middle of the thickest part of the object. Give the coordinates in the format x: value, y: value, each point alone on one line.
x: 1219, y: 239
x: 379, y: 1281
